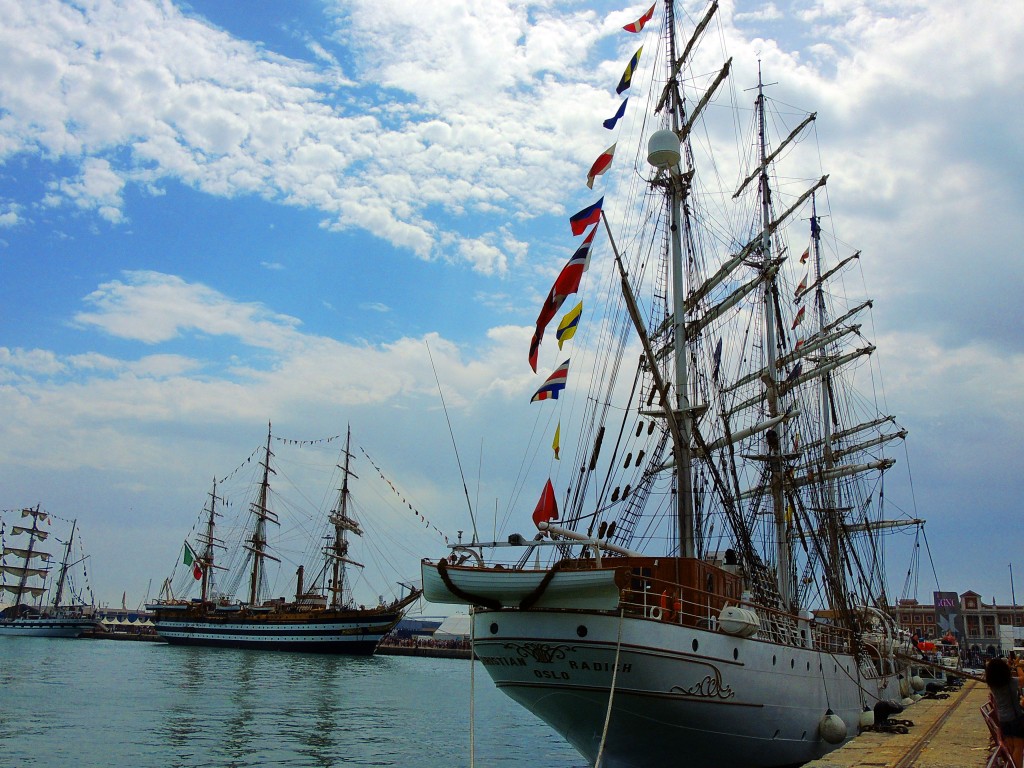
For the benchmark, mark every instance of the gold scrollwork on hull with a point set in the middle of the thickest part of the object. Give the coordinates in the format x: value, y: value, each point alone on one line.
x: 542, y: 653
x: 710, y: 687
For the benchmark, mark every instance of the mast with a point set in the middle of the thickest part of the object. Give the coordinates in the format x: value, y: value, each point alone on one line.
x: 775, y: 460
x: 25, y: 571
x: 208, y: 540
x: 676, y: 191
x: 1013, y: 594
x: 258, y: 542
x: 832, y: 523
x: 62, y: 573
x: 337, y: 551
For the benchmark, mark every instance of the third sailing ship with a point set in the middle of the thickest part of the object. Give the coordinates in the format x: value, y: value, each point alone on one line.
x: 46, y: 601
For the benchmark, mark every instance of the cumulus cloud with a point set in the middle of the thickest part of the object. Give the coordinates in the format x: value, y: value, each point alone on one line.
x: 138, y: 93
x: 151, y: 307
x: 9, y: 217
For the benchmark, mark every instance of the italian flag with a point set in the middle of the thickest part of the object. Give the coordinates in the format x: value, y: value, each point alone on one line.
x: 191, y: 558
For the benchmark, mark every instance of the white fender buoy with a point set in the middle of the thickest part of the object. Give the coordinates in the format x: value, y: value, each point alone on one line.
x: 917, y: 683
x: 904, y: 687
x: 867, y: 718
x: 906, y: 701
x: 832, y: 728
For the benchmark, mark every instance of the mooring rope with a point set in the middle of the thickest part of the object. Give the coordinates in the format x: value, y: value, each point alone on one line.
x: 611, y: 691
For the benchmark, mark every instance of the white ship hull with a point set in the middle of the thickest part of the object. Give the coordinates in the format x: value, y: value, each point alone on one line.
x: 682, y: 696
x: 351, y: 637
x: 47, y: 627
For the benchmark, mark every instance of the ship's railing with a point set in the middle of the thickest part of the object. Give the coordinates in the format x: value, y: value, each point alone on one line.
x: 802, y: 631
x: 670, y: 602
x: 674, y: 603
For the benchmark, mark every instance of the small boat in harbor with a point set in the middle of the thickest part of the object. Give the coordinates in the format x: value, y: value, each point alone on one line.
x: 707, y: 587
x: 39, y: 607
x: 322, y: 616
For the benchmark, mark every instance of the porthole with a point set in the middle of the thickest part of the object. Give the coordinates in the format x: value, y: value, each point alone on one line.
x: 736, y: 653
x: 494, y: 629
x: 581, y: 631
x: 792, y: 663
x: 695, y: 645
x: 808, y: 666
x: 773, y: 661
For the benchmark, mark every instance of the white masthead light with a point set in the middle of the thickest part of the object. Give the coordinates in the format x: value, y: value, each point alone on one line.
x: 663, y: 149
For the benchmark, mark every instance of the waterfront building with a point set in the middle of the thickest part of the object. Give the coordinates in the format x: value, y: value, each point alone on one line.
x: 984, y: 627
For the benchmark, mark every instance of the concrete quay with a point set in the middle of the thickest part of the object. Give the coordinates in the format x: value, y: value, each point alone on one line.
x: 429, y: 651
x: 947, y: 733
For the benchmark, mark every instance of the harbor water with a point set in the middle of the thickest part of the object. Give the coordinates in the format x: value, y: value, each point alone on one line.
x: 101, y: 703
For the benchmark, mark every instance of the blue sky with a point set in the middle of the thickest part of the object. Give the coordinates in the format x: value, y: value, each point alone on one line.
x: 217, y: 214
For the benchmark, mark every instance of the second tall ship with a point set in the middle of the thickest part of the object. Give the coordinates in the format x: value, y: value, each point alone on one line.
x: 322, y: 617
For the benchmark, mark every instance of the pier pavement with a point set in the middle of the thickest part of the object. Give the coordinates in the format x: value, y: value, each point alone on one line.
x: 947, y: 733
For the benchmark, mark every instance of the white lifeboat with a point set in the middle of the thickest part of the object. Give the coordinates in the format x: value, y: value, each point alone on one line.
x: 741, y: 622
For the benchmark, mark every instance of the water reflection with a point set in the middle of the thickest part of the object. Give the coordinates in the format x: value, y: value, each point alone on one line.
x: 187, y: 672
x: 243, y: 686
x: 241, y: 708
x: 94, y: 704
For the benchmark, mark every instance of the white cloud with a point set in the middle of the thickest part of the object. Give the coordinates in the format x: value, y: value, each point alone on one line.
x: 768, y: 12
x: 274, y: 369
x: 151, y: 307
x: 10, y: 217
x: 98, y: 187
x: 139, y: 94
x: 32, y: 361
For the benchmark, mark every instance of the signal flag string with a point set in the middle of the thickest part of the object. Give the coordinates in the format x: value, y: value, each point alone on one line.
x: 398, y: 493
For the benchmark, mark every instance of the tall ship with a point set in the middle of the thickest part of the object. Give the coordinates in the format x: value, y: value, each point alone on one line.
x: 706, y: 583
x: 321, y: 616
x: 45, y: 600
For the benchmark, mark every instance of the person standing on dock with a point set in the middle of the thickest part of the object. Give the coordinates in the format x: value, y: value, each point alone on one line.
x: 1006, y: 693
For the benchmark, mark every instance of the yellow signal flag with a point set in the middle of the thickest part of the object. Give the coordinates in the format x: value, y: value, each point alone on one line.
x: 567, y: 328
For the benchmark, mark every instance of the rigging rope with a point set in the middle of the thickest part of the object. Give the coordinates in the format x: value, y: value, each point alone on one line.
x: 611, y: 692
